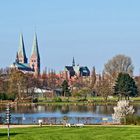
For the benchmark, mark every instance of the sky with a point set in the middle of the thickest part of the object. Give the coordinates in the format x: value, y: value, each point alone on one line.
x: 92, y: 31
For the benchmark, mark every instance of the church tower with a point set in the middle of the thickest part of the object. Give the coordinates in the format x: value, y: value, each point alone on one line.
x: 35, y: 57
x: 21, y: 55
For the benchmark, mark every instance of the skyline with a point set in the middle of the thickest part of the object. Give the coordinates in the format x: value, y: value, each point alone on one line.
x: 92, y: 31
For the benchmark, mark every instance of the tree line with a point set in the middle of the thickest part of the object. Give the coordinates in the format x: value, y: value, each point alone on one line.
x: 116, y: 80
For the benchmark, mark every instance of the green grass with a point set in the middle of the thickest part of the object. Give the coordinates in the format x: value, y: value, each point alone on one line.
x: 85, y: 133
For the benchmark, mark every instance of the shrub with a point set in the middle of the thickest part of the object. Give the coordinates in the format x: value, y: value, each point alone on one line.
x: 131, y: 119
x: 137, y: 121
x: 82, y: 100
x: 122, y: 110
x: 35, y: 100
x: 57, y: 99
x: 11, y: 97
x: 3, y: 96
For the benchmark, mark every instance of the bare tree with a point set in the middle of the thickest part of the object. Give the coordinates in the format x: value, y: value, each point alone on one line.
x: 93, y: 78
x: 118, y: 64
x: 137, y: 80
x: 104, y: 89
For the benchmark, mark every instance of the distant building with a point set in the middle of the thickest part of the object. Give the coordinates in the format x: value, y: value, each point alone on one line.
x: 21, y: 62
x: 76, y: 71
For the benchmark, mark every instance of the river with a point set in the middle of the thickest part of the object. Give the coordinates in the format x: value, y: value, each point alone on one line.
x: 58, y: 114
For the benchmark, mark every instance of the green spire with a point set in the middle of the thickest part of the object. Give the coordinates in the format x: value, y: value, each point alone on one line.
x: 21, y: 49
x: 73, y: 62
x: 35, y: 50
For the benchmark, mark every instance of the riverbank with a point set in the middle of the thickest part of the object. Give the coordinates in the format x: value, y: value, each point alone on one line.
x: 71, y: 100
x: 95, y: 125
x: 66, y: 133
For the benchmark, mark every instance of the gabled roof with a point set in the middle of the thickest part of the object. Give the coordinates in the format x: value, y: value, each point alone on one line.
x: 71, y: 70
x: 84, y: 71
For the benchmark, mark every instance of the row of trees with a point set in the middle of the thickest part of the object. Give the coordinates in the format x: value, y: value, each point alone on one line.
x: 116, y: 79
x: 16, y: 85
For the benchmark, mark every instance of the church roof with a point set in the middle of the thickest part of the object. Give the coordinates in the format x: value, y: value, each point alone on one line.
x: 84, y: 71
x: 23, y: 66
x: 71, y: 70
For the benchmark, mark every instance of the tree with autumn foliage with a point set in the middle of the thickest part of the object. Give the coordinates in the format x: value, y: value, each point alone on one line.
x: 16, y: 83
x: 22, y: 85
x: 4, y: 83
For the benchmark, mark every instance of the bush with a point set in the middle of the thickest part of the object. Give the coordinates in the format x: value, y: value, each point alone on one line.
x: 82, y: 100
x: 57, y: 99
x: 11, y: 97
x: 137, y: 120
x: 3, y: 96
x: 131, y: 119
x: 122, y: 110
x: 35, y: 100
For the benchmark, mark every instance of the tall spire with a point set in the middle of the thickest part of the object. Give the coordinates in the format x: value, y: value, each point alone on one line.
x: 35, y: 51
x: 35, y: 57
x: 21, y: 51
x: 17, y: 58
x: 73, y: 62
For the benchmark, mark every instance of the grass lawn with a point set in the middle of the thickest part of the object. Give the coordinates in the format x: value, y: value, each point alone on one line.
x: 85, y: 133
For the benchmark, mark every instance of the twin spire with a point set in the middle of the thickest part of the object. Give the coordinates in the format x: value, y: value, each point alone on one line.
x: 35, y: 50
x: 21, y: 50
x: 21, y: 54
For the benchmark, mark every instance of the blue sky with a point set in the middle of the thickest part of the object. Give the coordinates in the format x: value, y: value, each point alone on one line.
x: 92, y: 31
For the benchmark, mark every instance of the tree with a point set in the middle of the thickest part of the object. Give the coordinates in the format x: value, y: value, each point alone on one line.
x: 104, y: 88
x: 65, y: 89
x: 137, y: 79
x: 118, y: 64
x: 22, y: 85
x: 16, y: 83
x: 125, y: 86
x: 93, y: 78
x: 78, y: 83
x: 122, y: 110
x: 31, y: 83
x: 52, y: 79
x: 84, y: 92
x: 44, y: 81
x: 4, y: 83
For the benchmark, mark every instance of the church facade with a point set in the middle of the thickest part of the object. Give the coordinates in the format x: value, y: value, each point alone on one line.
x: 21, y: 63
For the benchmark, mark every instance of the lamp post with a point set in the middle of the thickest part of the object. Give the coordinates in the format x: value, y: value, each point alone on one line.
x: 8, y: 119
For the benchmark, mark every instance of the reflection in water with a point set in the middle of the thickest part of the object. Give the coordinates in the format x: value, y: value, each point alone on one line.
x: 55, y: 114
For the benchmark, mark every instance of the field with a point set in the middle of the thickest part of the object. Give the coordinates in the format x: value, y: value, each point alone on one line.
x: 63, y: 133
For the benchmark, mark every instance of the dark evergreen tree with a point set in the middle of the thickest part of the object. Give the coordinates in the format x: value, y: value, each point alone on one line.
x: 125, y: 86
x: 65, y: 89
